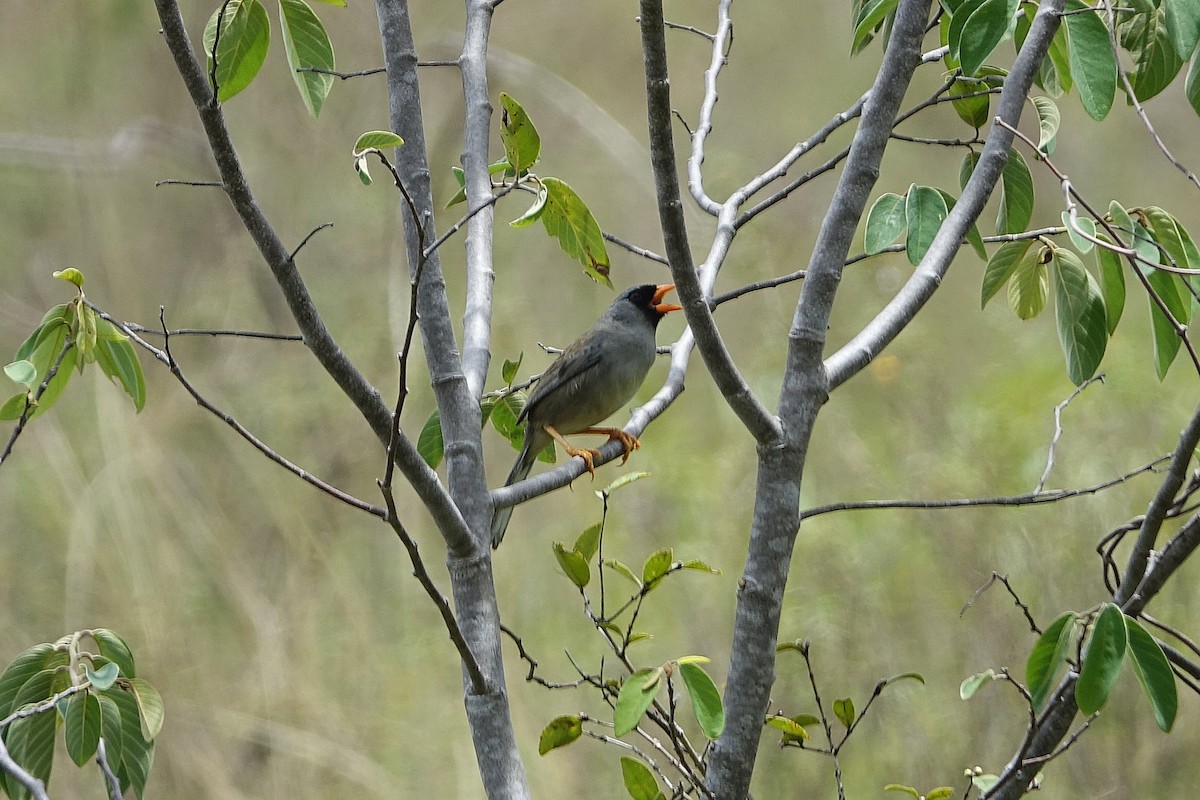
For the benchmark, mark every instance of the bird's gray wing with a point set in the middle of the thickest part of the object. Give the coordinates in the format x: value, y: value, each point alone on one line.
x: 576, y: 360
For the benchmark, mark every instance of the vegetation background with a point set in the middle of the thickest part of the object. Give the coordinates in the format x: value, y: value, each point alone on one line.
x: 296, y: 655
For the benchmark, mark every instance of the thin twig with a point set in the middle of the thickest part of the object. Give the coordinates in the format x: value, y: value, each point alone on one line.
x: 479, y: 684
x: 1003, y: 580
x: 213, y: 332
x: 633, y: 248
x: 311, y: 234
x: 178, y: 182
x: 1058, y: 430
x: 1026, y: 499
x: 1137, y: 104
x: 165, y: 357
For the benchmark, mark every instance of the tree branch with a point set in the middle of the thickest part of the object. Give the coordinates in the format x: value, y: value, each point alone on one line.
x: 316, y: 336
x: 925, y: 280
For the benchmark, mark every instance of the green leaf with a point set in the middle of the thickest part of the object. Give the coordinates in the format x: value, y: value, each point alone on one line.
x: 1049, y: 120
x: 113, y: 647
x: 1157, y: 63
x: 870, y: 19
x: 245, y: 38
x: 972, y: 684
x: 885, y: 222
x: 984, y: 783
x: 1166, y: 335
x: 1182, y: 19
x: 1048, y: 654
x: 70, y: 275
x: 22, y: 372
x: 308, y: 47
x: 898, y: 787
x: 61, y: 315
x: 657, y: 565
x: 534, y: 212
x: 1016, y: 207
x: 430, y: 446
x: 118, y: 360
x: 1112, y: 282
x: 1087, y: 225
x: 559, y: 733
x: 974, y: 110
x: 622, y: 569
x: 569, y: 220
x: 1154, y: 673
x: 589, y: 541
x: 137, y: 754
x: 110, y: 729
x: 924, y: 212
x: 508, y: 372
x: 1102, y: 659
x: 1191, y: 86
x: 52, y: 347
x: 940, y: 793
x: 573, y: 564
x: 966, y: 167
x: 843, y: 709
x: 81, y: 727
x: 377, y: 140
x: 1079, y: 312
x: 635, y: 696
x: 792, y: 730
x: 30, y: 743
x: 14, y: 406
x: 973, y: 236
x: 150, y: 707
x: 622, y: 480
x: 1029, y: 284
x: 639, y: 780
x: 1001, y: 267
x: 504, y: 418
x: 522, y: 145
x: 700, y: 566
x: 706, y: 700
x: 1170, y: 234
x: 27, y: 664
x: 104, y: 677
x: 1093, y: 66
x: 984, y: 29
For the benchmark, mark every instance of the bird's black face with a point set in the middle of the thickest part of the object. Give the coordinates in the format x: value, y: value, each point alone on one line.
x: 648, y: 298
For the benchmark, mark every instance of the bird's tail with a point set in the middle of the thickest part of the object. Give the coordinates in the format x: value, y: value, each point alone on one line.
x: 520, y: 472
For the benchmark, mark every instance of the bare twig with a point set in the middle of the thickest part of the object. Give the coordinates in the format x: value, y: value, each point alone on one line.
x: 1026, y: 499
x: 1058, y: 409
x: 479, y: 683
x: 1003, y: 580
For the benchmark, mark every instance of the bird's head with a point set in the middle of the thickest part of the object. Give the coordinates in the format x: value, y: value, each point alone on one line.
x: 648, y: 299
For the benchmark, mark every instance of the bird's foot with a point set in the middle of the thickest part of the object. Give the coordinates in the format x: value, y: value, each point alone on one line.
x: 588, y: 455
x: 628, y: 441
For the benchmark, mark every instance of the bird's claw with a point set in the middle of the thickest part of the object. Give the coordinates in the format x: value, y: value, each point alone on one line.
x: 629, y: 442
x: 589, y: 457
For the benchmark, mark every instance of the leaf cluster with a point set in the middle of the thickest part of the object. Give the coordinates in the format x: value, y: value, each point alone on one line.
x: 563, y: 213
x: 70, y: 336
x: 91, y: 696
x: 238, y: 35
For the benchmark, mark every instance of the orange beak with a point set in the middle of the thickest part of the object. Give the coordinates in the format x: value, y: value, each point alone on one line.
x: 656, y: 301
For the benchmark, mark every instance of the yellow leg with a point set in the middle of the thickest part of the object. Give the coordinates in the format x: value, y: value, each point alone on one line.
x: 589, y: 455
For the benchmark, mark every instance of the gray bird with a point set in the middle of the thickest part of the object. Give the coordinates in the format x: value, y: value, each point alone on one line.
x: 588, y: 382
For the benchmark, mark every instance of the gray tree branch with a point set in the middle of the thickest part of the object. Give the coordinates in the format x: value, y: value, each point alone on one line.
x: 470, y: 565
x: 775, y: 521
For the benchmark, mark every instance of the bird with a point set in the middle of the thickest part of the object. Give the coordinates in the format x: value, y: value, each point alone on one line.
x: 589, y: 381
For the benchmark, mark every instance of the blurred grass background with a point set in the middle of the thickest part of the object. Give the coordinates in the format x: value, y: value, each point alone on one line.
x: 296, y: 655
